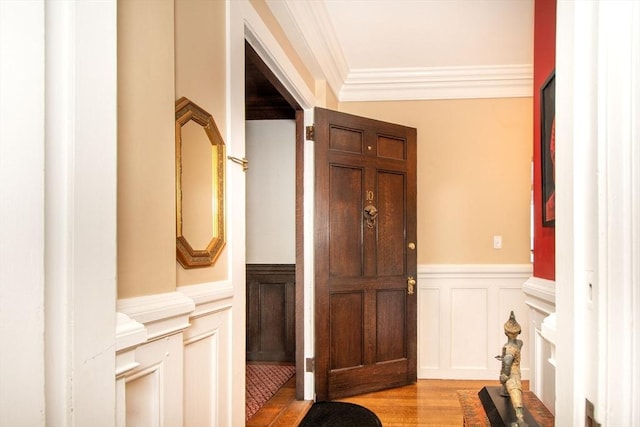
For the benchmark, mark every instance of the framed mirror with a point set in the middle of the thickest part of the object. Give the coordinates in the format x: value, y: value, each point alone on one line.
x: 200, y: 182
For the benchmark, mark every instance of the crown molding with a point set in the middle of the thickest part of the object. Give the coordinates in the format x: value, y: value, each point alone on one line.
x: 310, y: 31
x: 510, y: 81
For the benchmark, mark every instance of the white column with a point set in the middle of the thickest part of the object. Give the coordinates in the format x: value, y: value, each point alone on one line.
x: 616, y: 288
x: 80, y: 219
x: 597, y: 230
x: 22, y: 381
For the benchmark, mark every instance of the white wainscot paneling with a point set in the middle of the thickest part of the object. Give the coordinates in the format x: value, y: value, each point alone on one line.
x: 150, y: 389
x: 540, y: 300
x: 174, y: 358
x: 207, y: 356
x: 461, y: 314
x: 150, y: 361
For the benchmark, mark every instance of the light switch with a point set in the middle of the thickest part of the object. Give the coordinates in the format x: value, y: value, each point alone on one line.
x: 497, y: 242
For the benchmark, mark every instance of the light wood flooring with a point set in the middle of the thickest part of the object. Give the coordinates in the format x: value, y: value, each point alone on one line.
x: 426, y: 403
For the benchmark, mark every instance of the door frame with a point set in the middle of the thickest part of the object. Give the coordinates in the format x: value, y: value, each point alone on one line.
x: 246, y: 24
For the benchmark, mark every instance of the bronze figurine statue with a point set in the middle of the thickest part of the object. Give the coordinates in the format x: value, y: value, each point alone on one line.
x: 510, y: 373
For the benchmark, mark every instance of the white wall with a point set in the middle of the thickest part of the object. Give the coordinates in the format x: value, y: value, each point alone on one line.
x: 58, y: 219
x: 271, y: 191
x: 22, y: 394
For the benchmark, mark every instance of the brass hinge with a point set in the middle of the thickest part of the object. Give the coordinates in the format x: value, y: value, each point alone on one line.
x: 310, y: 133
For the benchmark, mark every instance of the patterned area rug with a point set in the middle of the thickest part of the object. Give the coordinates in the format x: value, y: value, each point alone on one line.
x: 263, y: 381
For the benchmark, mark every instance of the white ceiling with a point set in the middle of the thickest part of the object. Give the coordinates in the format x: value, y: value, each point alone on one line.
x: 413, y: 49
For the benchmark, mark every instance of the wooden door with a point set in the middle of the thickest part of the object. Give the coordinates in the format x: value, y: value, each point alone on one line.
x: 365, y: 254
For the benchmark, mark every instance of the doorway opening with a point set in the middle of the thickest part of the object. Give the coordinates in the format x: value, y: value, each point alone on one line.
x: 274, y: 129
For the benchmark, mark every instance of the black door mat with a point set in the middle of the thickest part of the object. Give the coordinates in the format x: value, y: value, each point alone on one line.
x: 339, y: 414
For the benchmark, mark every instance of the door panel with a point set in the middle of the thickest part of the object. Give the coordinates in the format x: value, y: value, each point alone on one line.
x: 390, y: 327
x: 365, y: 214
x: 391, y: 206
x: 271, y: 333
x: 347, y: 343
x: 392, y: 148
x: 349, y: 140
x: 345, y: 252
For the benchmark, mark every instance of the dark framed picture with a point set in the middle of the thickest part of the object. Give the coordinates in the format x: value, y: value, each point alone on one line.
x: 548, y: 150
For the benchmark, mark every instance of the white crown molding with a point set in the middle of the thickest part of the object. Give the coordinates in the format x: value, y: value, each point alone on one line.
x: 308, y: 27
x: 285, y: 18
x: 509, y: 81
x: 310, y: 31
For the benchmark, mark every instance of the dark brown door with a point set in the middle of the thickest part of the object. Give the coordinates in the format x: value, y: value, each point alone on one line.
x: 365, y: 255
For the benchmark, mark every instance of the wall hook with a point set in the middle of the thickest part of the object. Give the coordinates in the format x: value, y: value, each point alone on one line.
x: 242, y: 162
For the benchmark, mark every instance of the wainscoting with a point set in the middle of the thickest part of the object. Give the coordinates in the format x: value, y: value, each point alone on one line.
x: 271, y: 312
x: 461, y: 314
x: 173, y: 353
x: 540, y: 297
x: 174, y: 350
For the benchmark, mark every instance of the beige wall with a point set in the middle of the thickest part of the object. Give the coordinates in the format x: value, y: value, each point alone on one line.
x: 473, y: 175
x: 146, y: 190
x: 325, y: 96
x: 200, y: 56
x: 473, y: 167
x: 165, y: 51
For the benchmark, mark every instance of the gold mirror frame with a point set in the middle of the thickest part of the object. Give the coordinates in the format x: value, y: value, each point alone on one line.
x: 187, y: 256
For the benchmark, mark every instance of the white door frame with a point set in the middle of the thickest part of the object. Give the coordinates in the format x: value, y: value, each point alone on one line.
x: 598, y: 211
x: 245, y: 23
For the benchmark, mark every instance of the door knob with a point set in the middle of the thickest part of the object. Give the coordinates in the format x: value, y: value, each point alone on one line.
x: 411, y: 283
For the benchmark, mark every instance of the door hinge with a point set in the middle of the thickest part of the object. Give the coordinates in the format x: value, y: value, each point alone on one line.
x: 310, y: 364
x: 310, y: 133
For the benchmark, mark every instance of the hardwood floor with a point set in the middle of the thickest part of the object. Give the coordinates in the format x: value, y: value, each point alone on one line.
x: 282, y: 409
x: 426, y: 403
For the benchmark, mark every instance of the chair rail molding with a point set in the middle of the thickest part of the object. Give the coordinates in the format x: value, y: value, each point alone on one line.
x: 209, y: 298
x: 161, y: 314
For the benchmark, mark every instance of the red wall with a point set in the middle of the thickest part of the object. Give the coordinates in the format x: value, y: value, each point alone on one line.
x: 544, y: 62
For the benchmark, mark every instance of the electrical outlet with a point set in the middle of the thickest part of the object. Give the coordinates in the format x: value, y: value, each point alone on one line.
x: 497, y: 242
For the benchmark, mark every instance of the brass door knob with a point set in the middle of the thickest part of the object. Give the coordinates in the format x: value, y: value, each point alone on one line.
x: 411, y: 283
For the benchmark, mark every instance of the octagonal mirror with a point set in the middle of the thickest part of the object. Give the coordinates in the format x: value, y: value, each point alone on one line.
x: 200, y: 154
